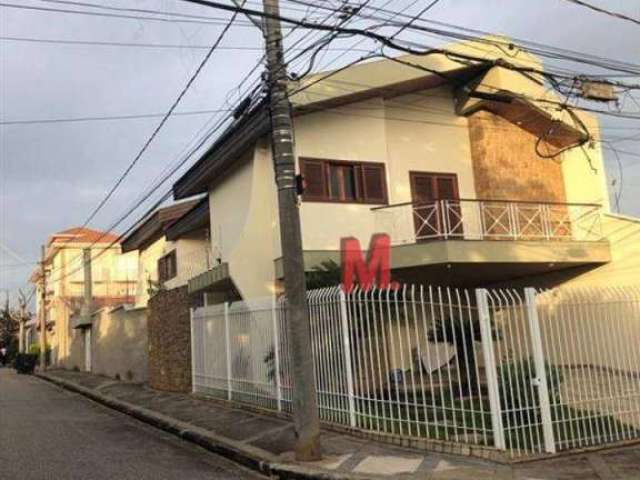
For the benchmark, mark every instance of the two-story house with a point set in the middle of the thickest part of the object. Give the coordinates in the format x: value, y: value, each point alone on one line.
x: 477, y: 170
x: 113, y: 281
x: 173, y: 246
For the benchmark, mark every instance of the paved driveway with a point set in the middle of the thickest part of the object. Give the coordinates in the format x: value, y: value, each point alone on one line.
x: 48, y: 433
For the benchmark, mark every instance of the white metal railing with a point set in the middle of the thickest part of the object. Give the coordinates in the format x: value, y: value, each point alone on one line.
x: 521, y: 371
x: 489, y: 220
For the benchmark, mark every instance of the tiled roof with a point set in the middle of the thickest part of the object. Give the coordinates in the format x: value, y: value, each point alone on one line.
x: 83, y: 235
x: 153, y: 227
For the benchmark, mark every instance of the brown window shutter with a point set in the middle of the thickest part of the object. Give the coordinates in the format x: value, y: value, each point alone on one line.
x: 173, y: 263
x: 374, y: 182
x: 161, y: 272
x: 447, y: 188
x: 315, y: 179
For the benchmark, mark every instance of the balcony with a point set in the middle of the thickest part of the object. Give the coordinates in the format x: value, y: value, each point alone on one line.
x: 473, y: 242
x: 467, y: 219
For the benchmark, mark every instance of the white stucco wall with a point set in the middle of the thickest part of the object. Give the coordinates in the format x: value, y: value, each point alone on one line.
x: 192, y: 257
x: 585, y: 179
x: 148, y: 269
x: 243, y: 229
x: 417, y: 132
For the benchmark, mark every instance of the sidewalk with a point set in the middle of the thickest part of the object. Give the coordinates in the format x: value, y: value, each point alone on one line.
x: 265, y: 443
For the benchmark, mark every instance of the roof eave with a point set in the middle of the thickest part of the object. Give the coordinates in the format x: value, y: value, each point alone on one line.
x: 196, y: 218
x: 233, y: 144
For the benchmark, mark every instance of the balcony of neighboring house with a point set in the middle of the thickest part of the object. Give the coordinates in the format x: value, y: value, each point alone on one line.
x: 204, y: 274
x: 471, y: 241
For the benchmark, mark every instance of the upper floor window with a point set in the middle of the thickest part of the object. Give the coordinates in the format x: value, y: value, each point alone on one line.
x: 167, y: 267
x: 347, y: 182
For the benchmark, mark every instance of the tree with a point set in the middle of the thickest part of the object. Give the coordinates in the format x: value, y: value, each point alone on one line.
x: 326, y: 274
x: 461, y: 332
x: 9, y: 327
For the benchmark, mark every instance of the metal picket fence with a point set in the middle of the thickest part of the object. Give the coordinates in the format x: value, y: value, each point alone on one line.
x: 523, y: 371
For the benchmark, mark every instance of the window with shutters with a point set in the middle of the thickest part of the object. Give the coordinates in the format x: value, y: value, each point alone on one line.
x: 167, y: 267
x: 344, y: 182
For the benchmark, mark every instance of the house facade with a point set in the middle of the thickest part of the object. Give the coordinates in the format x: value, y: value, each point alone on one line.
x: 113, y: 282
x: 476, y: 172
x: 168, y: 257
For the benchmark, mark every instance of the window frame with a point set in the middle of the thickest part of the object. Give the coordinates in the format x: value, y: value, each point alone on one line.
x: 434, y: 180
x: 359, y: 181
x: 163, y: 266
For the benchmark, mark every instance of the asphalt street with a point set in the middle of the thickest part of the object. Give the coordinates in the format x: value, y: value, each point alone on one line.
x: 49, y: 433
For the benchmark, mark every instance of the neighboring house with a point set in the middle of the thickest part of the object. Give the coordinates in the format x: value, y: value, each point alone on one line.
x: 113, y: 282
x: 172, y: 245
x: 449, y: 159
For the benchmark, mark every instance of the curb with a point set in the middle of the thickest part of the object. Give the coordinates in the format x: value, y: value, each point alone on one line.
x: 248, y: 456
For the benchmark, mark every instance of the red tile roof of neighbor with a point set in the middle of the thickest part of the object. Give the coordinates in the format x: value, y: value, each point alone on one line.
x: 83, y: 235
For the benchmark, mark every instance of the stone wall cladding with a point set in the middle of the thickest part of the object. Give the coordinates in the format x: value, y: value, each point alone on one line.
x: 170, y: 341
x: 506, y: 165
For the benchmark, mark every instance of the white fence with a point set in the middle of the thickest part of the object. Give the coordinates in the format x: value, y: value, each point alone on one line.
x: 489, y: 220
x: 521, y: 371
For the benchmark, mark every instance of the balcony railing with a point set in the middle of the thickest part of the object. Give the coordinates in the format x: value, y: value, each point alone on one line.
x: 469, y: 219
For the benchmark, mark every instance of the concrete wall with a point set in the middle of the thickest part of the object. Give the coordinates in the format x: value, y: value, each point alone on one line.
x: 119, y: 344
x: 113, y: 276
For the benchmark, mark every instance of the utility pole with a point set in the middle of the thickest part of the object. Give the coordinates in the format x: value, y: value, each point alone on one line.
x: 305, y: 402
x: 22, y: 319
x: 85, y: 311
x: 43, y: 313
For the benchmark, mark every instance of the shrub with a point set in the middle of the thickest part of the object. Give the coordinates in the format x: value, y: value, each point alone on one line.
x: 34, y: 349
x: 25, y: 363
x: 518, y: 396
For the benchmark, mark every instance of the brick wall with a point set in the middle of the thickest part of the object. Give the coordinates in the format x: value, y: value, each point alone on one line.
x: 506, y: 165
x: 170, y: 341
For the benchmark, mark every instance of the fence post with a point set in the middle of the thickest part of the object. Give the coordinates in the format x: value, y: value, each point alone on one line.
x: 193, y: 352
x: 541, y: 375
x: 346, y: 341
x: 444, y: 208
x: 276, y: 352
x: 227, y: 348
x: 488, y: 353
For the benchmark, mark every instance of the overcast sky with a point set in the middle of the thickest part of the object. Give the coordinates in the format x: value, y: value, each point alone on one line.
x: 53, y: 175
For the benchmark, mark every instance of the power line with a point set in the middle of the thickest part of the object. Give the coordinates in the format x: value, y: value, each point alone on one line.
x: 382, y: 39
x: 605, y: 11
x: 106, y: 118
x: 168, y: 173
x: 212, y: 21
x: 163, y: 121
x: 141, y: 45
x: 482, y: 37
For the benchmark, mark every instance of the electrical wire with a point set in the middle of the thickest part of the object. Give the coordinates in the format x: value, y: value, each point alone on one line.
x: 141, y: 45
x: 604, y: 11
x: 164, y: 177
x: 163, y: 121
x: 106, y: 118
